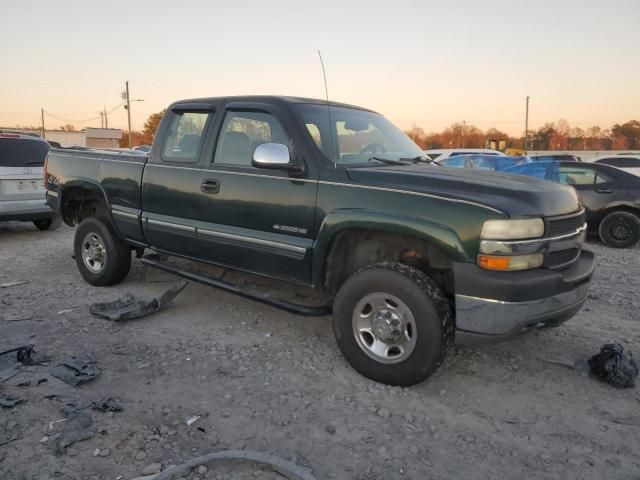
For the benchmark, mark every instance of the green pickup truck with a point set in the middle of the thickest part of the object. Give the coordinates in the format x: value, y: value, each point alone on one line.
x: 411, y: 256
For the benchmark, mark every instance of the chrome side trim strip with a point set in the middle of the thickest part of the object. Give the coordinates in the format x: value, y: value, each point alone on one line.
x: 175, y: 226
x: 119, y: 213
x: 256, y: 241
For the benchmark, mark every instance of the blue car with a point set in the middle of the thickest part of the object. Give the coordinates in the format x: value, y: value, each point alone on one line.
x: 484, y: 162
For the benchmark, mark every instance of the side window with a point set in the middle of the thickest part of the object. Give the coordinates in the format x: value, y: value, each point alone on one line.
x: 453, y: 162
x: 184, y: 138
x: 314, y: 131
x: 576, y: 176
x: 602, y: 178
x: 242, y: 132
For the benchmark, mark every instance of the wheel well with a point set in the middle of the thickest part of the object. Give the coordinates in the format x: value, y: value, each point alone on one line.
x: 353, y: 249
x: 79, y: 203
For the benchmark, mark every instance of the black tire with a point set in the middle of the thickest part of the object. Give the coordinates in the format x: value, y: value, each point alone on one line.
x: 48, y: 223
x: 430, y: 311
x: 619, y: 229
x: 116, y: 260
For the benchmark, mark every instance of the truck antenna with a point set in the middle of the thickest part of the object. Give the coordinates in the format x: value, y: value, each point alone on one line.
x: 326, y: 93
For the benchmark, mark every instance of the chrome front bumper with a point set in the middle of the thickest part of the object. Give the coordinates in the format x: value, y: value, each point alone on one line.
x: 485, y: 320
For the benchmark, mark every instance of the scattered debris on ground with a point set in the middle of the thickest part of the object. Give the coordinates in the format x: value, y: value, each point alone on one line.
x: 76, y: 369
x: 77, y: 427
x: 109, y: 404
x: 7, y: 401
x: 615, y: 365
x: 23, y: 354
x: 130, y: 307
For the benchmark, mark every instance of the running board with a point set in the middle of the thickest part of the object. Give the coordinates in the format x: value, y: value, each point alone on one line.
x: 304, y: 310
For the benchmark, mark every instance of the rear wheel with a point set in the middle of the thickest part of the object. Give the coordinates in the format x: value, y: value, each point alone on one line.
x: 48, y: 223
x: 619, y: 229
x: 102, y: 258
x: 392, y: 323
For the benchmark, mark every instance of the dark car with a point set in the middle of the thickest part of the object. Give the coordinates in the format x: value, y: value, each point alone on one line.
x: 483, y: 161
x: 560, y: 157
x: 611, y: 196
x: 630, y: 163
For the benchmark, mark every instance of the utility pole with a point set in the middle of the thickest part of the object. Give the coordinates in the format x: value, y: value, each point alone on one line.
x: 526, y: 126
x: 101, y: 119
x: 42, y: 116
x: 128, y: 107
x: 464, y: 126
x: 106, y: 120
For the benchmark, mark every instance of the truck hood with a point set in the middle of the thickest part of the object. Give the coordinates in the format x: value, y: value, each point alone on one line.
x: 515, y: 195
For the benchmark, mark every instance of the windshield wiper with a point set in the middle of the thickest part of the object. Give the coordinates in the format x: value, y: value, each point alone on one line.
x: 419, y: 159
x: 388, y: 161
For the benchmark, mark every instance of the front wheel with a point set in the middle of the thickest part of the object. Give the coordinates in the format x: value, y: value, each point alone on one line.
x: 619, y: 229
x: 392, y: 323
x: 102, y: 258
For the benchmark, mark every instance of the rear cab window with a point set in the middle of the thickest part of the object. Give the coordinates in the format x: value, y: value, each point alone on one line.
x: 185, y: 136
x: 22, y: 152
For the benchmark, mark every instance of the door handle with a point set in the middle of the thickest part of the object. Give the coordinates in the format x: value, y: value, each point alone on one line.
x: 210, y: 186
x: 604, y: 190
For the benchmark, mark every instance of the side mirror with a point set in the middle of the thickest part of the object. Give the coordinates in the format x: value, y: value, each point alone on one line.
x: 273, y: 156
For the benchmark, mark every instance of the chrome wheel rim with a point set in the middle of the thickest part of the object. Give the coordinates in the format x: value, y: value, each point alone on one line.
x: 94, y: 253
x: 384, y: 328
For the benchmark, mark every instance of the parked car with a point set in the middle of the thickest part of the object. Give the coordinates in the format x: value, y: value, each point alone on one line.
x: 442, y: 153
x: 611, y: 196
x: 483, y: 162
x: 555, y: 157
x: 409, y: 255
x: 22, y: 192
x: 630, y: 163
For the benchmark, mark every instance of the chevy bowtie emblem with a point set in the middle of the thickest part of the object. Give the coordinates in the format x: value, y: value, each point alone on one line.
x: 27, y: 171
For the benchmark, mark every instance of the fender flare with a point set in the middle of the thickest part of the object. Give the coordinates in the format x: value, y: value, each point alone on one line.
x: 337, y: 221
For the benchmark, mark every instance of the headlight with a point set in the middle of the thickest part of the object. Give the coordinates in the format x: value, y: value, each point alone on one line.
x: 512, y: 229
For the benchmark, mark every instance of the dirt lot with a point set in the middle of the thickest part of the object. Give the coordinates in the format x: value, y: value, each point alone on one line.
x: 268, y: 381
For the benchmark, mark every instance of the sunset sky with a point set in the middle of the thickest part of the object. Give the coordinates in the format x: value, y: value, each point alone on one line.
x: 423, y: 62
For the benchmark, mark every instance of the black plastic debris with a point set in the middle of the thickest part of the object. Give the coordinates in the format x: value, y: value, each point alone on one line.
x: 23, y: 354
x: 129, y: 307
x: 615, y: 365
x: 9, y: 402
x: 109, y: 404
x: 76, y: 428
x: 76, y: 369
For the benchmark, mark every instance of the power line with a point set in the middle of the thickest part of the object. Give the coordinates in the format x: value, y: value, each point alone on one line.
x: 62, y: 119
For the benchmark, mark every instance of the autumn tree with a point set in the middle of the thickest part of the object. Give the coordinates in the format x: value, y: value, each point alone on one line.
x: 627, y: 135
x: 67, y: 128
x: 150, y: 127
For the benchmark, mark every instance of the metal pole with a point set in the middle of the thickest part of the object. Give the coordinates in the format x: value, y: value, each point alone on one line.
x: 106, y: 120
x: 42, y: 116
x: 526, y: 127
x: 128, y: 111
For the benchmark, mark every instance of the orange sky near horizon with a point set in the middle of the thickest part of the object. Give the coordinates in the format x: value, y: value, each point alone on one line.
x: 420, y: 63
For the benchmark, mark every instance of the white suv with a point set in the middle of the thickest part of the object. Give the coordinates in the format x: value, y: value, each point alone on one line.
x: 22, y: 193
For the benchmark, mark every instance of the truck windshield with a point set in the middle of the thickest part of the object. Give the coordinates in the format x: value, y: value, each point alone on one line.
x: 357, y: 137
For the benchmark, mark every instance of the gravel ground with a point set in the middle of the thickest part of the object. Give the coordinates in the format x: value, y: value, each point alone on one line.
x: 269, y: 381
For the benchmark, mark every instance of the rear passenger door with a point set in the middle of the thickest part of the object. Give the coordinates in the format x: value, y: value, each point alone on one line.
x: 256, y: 219
x: 596, y: 189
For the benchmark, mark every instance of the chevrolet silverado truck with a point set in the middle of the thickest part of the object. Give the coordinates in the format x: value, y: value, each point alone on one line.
x: 410, y: 255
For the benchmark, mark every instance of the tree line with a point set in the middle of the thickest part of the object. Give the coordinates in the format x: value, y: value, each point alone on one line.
x: 551, y: 136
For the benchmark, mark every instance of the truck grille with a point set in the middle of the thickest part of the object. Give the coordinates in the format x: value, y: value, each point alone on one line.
x: 564, y: 225
x: 563, y: 251
x: 561, y: 257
